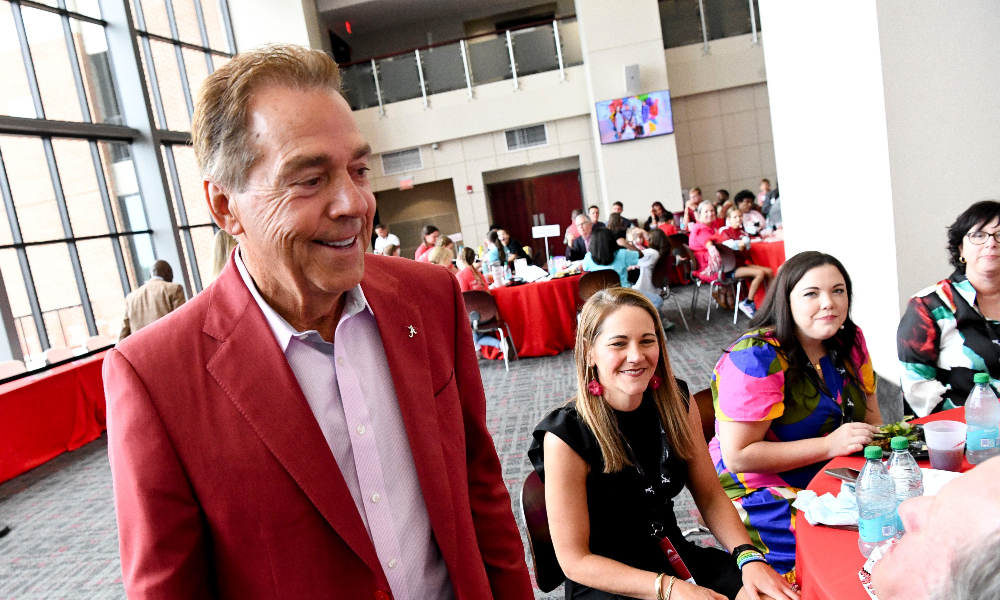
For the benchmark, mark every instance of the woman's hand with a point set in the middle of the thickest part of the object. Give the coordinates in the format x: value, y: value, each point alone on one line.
x: 683, y: 590
x: 849, y: 438
x: 760, y: 578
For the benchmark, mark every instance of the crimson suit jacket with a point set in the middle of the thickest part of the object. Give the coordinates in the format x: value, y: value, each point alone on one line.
x: 226, y: 488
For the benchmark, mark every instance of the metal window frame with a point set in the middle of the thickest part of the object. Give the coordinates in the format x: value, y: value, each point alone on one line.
x: 182, y: 225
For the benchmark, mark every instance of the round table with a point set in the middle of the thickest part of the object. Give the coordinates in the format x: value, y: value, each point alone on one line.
x: 827, y: 560
x: 541, y: 316
x: 767, y: 254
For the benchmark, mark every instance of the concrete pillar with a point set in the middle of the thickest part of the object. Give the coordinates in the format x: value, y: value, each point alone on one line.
x: 885, y: 123
x: 614, y: 35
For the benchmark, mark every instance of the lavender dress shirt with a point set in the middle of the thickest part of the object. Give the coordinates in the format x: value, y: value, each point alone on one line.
x: 349, y: 389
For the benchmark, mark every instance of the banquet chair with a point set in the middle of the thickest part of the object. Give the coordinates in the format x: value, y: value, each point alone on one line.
x: 706, y: 408
x: 485, y: 318
x: 683, y: 257
x: 728, y: 258
x: 548, y: 574
x: 595, y: 281
x: 9, y: 368
x: 661, y: 281
x: 54, y: 355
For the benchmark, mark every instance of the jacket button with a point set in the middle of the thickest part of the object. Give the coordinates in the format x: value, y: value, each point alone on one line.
x: 380, y: 595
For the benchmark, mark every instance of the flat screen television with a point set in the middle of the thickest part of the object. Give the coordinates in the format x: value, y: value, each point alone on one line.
x: 635, y: 117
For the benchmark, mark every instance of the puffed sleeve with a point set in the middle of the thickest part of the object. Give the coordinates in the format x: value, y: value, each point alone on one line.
x: 567, y: 425
x: 748, y: 384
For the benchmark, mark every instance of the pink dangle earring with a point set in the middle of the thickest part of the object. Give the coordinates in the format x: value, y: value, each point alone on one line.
x: 656, y: 381
x: 594, y: 386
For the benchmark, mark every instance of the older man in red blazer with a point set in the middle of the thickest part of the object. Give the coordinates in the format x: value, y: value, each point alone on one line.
x: 312, y: 425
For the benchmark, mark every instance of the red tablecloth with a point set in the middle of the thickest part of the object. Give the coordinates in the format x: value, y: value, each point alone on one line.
x: 767, y: 254
x: 827, y: 560
x: 541, y: 316
x: 42, y: 416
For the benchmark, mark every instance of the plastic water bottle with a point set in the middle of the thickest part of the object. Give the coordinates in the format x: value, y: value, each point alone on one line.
x: 982, y: 416
x: 876, y: 494
x: 905, y: 472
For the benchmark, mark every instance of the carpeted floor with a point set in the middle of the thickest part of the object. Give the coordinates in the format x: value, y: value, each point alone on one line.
x: 63, y: 541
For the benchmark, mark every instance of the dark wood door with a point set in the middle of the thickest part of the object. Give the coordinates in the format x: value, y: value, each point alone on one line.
x: 547, y: 200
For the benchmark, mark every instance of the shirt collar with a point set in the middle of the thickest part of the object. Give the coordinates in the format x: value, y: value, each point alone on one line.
x: 157, y: 277
x: 354, y: 302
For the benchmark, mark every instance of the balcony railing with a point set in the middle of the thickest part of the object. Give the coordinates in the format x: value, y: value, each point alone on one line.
x: 463, y: 64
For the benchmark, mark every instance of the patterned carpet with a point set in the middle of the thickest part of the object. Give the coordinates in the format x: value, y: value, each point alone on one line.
x: 63, y: 542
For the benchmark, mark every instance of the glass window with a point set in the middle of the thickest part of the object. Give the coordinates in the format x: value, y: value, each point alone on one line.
x: 55, y: 284
x: 192, y: 192
x: 15, y: 96
x: 79, y: 183
x: 168, y: 76
x: 31, y: 188
x: 104, y: 287
x: 44, y: 31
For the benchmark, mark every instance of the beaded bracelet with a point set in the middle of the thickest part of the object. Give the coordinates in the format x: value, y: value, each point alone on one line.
x: 748, y: 556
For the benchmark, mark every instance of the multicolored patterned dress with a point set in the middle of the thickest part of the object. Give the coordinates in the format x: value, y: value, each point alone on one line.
x: 749, y: 385
x: 942, y: 341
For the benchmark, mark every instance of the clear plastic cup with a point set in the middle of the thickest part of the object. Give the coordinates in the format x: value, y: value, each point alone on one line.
x: 946, y: 444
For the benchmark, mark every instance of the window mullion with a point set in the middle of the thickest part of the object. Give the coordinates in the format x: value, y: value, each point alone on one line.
x: 29, y: 66
x: 181, y: 67
x: 203, y: 31
x: 74, y: 62
x: 182, y: 216
x: 227, y: 25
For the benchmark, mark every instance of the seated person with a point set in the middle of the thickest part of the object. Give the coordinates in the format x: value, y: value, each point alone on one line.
x: 946, y: 335
x: 389, y: 250
x: 794, y: 392
x: 443, y: 257
x: 732, y: 235
x: 754, y: 223
x: 513, y: 247
x: 618, y: 208
x: 613, y: 459
x: 578, y: 249
x: 620, y: 256
x: 444, y: 241
x: 652, y: 245
x: 430, y: 234
x: 617, y: 225
x: 946, y: 554
x: 658, y: 215
x: 595, y: 217
x: 469, y: 279
x: 572, y: 232
x: 496, y: 253
x: 702, y: 241
x: 668, y: 227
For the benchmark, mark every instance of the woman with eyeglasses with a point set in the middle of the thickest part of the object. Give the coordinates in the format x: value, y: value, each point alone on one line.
x: 951, y: 330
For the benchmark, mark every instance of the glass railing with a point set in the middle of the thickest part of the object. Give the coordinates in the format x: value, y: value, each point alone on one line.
x: 686, y: 22
x: 463, y: 64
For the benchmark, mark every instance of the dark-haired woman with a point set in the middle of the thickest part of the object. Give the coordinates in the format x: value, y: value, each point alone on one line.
x: 951, y: 330
x: 658, y: 215
x: 497, y: 253
x: 792, y: 393
x: 430, y: 236
x: 613, y: 459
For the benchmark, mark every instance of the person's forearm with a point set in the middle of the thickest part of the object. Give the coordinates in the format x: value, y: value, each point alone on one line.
x: 776, y: 457
x: 611, y: 576
x: 873, y: 416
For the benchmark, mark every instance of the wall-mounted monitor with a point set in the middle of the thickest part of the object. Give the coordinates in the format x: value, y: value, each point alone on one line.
x: 635, y: 117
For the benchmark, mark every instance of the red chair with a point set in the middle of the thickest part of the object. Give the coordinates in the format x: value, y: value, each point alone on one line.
x: 548, y: 573
x: 485, y: 318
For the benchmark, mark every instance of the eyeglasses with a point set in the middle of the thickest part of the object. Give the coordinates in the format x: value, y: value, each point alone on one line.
x: 979, y: 237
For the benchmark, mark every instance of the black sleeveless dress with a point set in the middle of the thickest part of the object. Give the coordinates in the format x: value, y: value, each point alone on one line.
x: 621, y: 512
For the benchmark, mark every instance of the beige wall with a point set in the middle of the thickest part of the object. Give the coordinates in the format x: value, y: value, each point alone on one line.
x: 730, y: 62
x: 465, y: 161
x: 724, y: 140
x: 257, y: 22
x: 407, y: 211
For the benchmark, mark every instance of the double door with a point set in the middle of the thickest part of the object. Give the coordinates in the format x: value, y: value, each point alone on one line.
x: 521, y: 204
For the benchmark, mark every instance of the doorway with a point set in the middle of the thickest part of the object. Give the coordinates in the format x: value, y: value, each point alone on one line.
x: 521, y: 204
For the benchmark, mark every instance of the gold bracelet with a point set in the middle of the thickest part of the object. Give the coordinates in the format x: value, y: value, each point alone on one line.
x: 670, y: 586
x: 659, y: 586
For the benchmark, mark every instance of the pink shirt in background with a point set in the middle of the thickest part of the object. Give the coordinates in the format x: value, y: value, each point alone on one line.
x: 349, y: 388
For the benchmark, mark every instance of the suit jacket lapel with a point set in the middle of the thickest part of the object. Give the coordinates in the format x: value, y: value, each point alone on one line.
x: 411, y: 376
x: 255, y: 375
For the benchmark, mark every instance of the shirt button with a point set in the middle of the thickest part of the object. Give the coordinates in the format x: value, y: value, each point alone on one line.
x: 392, y: 563
x: 361, y: 429
x: 376, y: 497
x: 340, y: 362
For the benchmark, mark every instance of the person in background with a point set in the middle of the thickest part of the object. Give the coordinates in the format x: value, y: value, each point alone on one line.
x: 753, y: 222
x: 618, y: 208
x: 792, y: 393
x: 613, y: 459
x: 444, y: 241
x: 390, y: 250
x: 945, y: 554
x: 721, y: 197
x: 595, y: 217
x: 429, y: 234
x: 513, y: 248
x: 442, y: 256
x: 578, y: 250
x: 497, y: 253
x: 652, y: 245
x: 617, y: 226
x: 383, y: 237
x: 153, y: 300
x: 605, y: 252
x: 732, y: 235
x: 691, y: 207
x: 722, y: 210
x: 702, y: 241
x: 572, y: 232
x: 658, y: 215
x: 765, y: 189
x: 951, y: 330
x: 668, y: 227
x: 469, y: 280
x: 222, y: 247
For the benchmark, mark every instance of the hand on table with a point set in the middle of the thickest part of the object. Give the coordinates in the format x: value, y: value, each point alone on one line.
x: 849, y: 438
x: 760, y: 580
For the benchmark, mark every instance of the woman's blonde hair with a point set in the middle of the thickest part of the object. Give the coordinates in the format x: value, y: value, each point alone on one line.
x: 443, y: 241
x: 440, y: 256
x: 596, y: 412
x: 389, y: 250
x: 222, y: 247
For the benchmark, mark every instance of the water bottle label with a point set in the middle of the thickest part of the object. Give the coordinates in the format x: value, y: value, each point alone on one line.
x: 982, y: 439
x: 878, y: 529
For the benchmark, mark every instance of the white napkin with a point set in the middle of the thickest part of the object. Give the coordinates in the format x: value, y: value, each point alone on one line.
x: 935, y: 479
x: 828, y: 509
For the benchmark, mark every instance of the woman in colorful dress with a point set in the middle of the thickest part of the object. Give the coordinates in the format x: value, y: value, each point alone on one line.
x: 794, y: 392
x: 951, y: 330
x: 612, y: 461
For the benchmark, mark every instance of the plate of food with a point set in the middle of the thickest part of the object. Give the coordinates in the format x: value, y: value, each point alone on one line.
x: 914, y: 433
